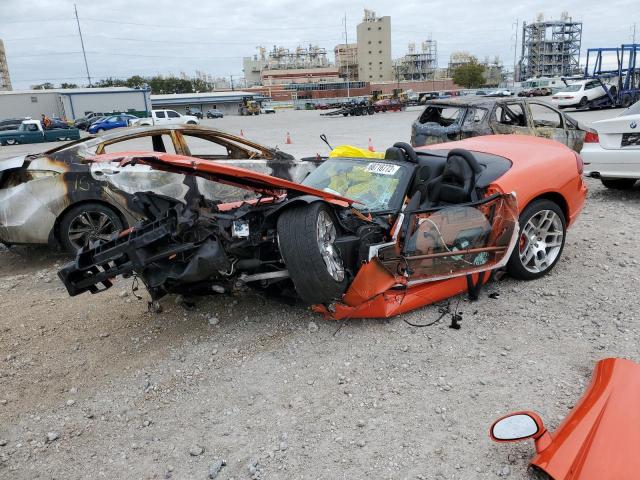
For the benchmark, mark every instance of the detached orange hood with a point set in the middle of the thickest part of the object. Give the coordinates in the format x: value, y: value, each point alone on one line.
x: 600, y: 439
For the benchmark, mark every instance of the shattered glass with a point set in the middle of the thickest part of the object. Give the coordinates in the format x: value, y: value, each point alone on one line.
x: 456, y: 240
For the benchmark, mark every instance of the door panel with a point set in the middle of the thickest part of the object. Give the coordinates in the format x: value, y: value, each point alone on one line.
x: 455, y: 240
x: 510, y: 118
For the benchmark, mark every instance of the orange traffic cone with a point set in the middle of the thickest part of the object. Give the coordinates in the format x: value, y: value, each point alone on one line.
x: 370, y: 146
x: 241, y: 133
x: 288, y: 140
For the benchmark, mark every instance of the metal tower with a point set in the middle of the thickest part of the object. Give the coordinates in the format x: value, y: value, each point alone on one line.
x: 5, y: 79
x: 550, y: 48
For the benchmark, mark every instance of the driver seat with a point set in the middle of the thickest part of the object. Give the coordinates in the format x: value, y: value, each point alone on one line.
x: 457, y: 182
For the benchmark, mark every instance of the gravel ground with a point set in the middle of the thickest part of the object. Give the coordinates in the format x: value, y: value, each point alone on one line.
x: 245, y: 387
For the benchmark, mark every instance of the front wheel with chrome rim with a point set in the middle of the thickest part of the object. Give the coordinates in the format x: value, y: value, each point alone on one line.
x: 542, y: 234
x: 307, y: 238
x: 87, y: 223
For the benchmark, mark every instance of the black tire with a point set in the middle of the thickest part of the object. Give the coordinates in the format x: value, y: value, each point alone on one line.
x: 538, y: 474
x: 583, y: 102
x: 619, y: 183
x: 94, y: 211
x: 626, y: 100
x: 11, y: 141
x: 298, y: 240
x: 515, y: 266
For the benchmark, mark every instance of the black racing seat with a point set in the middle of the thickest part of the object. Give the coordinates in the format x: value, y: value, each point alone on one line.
x: 457, y: 182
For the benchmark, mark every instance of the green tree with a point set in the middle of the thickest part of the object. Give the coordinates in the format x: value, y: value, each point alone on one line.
x: 469, y: 75
x: 68, y: 85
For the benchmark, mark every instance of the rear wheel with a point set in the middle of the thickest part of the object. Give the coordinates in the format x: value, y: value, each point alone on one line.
x: 307, y: 236
x: 191, y: 122
x: 618, y: 183
x: 542, y: 234
x: 583, y: 102
x: 626, y: 100
x: 11, y: 141
x: 86, y: 223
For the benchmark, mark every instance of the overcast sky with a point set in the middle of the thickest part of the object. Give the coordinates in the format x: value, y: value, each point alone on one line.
x: 147, y: 37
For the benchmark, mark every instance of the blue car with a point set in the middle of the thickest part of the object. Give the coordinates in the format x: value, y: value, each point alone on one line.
x: 109, y: 123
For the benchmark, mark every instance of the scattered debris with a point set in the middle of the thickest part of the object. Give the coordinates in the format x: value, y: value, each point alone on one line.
x: 215, y: 468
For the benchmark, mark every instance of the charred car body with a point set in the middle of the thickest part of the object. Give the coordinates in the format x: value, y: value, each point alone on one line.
x: 360, y: 237
x: 464, y: 117
x: 59, y: 198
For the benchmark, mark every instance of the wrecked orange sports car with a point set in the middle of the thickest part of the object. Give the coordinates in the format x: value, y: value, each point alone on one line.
x: 599, y: 438
x: 359, y: 237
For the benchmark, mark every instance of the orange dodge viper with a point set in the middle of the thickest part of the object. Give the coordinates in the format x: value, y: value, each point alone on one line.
x: 359, y: 237
x: 599, y: 439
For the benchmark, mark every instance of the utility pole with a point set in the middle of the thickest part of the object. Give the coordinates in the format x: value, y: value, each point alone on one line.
x: 515, y: 53
x: 346, y: 49
x: 634, y: 34
x: 86, y: 65
x: 232, y: 83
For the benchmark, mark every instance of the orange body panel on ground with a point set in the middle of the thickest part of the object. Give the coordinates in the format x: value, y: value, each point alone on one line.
x: 600, y: 438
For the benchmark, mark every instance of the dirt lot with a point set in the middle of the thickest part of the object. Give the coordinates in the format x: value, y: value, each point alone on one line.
x: 98, y: 387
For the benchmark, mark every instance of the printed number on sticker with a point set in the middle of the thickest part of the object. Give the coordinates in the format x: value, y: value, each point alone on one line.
x: 382, y: 168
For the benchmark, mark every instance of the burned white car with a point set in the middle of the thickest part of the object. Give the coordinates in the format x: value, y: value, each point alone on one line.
x: 60, y: 199
x: 463, y: 117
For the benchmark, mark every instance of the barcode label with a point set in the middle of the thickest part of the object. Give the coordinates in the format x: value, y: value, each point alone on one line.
x: 382, y: 168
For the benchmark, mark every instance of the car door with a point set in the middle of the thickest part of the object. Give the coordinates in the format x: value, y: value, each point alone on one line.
x: 593, y: 89
x: 456, y: 240
x: 510, y: 117
x: 160, y: 117
x: 547, y: 122
x: 173, y: 118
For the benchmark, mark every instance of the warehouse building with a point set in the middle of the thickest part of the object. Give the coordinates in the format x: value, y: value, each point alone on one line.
x: 73, y: 103
x: 227, y: 102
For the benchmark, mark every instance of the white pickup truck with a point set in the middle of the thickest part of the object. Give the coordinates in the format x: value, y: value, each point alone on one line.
x: 166, y: 117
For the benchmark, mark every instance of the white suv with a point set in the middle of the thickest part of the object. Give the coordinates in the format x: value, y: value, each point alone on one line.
x: 578, y: 94
x: 167, y: 117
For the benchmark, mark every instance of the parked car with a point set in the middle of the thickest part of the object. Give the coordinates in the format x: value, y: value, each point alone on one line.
x: 535, y: 92
x: 195, y: 112
x: 111, y: 122
x: 579, y: 94
x: 57, y: 198
x: 499, y: 93
x: 612, y: 154
x: 267, y: 109
x: 85, y: 122
x: 10, y: 123
x: 463, y: 117
x: 599, y: 437
x: 359, y: 237
x: 214, y: 113
x: 31, y: 131
x: 166, y: 117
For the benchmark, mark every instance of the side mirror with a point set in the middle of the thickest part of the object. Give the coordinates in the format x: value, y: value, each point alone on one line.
x: 517, y: 426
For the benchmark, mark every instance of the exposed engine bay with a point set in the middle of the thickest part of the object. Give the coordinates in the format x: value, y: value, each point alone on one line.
x: 200, y: 248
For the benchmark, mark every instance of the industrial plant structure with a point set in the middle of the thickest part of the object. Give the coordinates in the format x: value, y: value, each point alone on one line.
x: 550, y: 48
x: 374, y: 48
x: 419, y: 65
x: 5, y: 79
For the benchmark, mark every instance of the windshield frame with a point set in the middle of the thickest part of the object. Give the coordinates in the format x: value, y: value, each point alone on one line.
x: 396, y: 201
